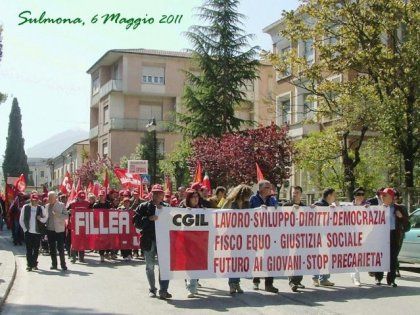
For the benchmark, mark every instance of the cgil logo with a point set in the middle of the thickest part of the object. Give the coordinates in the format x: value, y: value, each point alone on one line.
x: 189, y: 220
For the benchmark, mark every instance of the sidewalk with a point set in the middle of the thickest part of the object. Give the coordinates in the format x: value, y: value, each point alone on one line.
x: 7, y: 265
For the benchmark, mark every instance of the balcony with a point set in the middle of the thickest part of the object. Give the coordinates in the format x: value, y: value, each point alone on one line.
x: 93, y: 133
x: 110, y: 86
x: 137, y: 124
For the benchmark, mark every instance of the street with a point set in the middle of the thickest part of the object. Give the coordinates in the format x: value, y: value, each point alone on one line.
x: 118, y: 287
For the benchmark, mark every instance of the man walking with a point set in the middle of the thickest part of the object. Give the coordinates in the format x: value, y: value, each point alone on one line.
x: 57, y: 216
x: 31, y: 219
x: 263, y: 198
x: 145, y: 221
x: 295, y: 281
x: 397, y: 220
x: 329, y: 197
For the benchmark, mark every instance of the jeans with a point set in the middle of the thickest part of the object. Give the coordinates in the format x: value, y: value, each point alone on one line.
x: 234, y: 280
x: 56, y: 242
x: 295, y: 280
x: 191, y: 285
x: 320, y: 278
x: 32, y: 242
x: 268, y: 281
x: 150, y: 270
x: 17, y: 232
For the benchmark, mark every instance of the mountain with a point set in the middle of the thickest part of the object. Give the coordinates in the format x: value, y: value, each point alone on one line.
x: 57, y: 144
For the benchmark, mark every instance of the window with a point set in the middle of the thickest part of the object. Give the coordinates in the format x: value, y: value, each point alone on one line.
x: 106, y: 114
x: 150, y: 111
x: 116, y: 71
x: 308, y: 50
x: 283, y: 53
x: 308, y: 106
x: 153, y: 75
x: 42, y: 174
x: 95, y: 85
x: 105, y: 149
x: 283, y: 110
x: 415, y: 220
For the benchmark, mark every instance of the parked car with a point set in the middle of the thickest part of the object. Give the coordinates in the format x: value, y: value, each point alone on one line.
x: 410, y: 250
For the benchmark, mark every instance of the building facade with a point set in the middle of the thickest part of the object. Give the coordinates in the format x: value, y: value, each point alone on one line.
x: 130, y: 87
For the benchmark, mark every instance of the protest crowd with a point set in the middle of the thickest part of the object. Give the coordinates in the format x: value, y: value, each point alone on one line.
x: 41, y: 221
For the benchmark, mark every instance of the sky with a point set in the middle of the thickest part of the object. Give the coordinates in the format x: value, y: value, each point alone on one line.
x: 44, y: 65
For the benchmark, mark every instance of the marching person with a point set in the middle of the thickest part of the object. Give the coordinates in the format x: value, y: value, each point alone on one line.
x: 126, y: 253
x: 146, y: 222
x: 218, y: 200
x: 57, y: 216
x: 199, y: 188
x: 295, y: 281
x: 359, y: 200
x: 80, y: 198
x: 237, y: 199
x: 263, y: 198
x: 103, y: 203
x: 32, y: 217
x: 191, y: 201
x: 398, y: 219
x: 329, y: 198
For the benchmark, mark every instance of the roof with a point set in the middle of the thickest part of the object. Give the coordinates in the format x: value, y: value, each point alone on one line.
x: 140, y: 51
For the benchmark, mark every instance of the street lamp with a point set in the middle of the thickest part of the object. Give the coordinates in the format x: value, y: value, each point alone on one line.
x: 151, y: 127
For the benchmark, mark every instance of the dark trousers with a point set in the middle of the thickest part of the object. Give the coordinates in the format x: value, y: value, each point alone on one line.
x: 17, y: 232
x: 393, y: 254
x: 56, y: 242
x: 32, y: 242
x: 126, y: 252
x: 295, y: 280
x: 268, y: 281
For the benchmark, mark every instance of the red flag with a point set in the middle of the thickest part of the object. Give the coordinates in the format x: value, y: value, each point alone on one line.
x: 79, y: 185
x: 67, y: 184
x: 20, y: 184
x: 260, y: 175
x: 90, y: 188
x: 73, y: 194
x: 206, y: 183
x: 96, y: 189
x: 128, y: 180
x: 198, y: 177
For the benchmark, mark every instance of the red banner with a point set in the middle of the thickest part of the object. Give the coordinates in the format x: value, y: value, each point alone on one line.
x: 98, y: 229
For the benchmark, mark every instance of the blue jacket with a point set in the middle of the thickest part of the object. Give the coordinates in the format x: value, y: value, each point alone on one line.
x: 256, y: 201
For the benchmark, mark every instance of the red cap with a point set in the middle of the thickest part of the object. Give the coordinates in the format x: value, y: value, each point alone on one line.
x: 34, y: 197
x: 136, y: 192
x: 157, y: 188
x: 196, y: 186
x: 102, y: 193
x: 388, y: 191
x: 121, y: 192
x: 81, y: 195
x: 127, y: 193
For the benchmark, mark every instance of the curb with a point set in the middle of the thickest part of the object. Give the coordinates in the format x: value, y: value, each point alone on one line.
x: 8, y: 271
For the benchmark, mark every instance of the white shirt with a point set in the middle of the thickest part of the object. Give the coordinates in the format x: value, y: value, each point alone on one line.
x: 32, y: 218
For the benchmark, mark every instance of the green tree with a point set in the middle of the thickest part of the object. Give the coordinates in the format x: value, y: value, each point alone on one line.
x: 146, y: 151
x: 374, y: 44
x: 176, y: 163
x: 15, y: 160
x: 226, y: 66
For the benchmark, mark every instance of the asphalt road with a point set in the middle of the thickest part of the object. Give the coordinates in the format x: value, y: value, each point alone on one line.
x: 119, y: 287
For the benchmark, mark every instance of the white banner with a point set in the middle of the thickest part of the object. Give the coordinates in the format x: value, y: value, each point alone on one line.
x: 219, y: 243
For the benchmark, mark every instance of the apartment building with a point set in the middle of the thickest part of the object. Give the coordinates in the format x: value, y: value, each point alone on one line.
x: 295, y: 105
x: 69, y: 160
x: 129, y: 87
